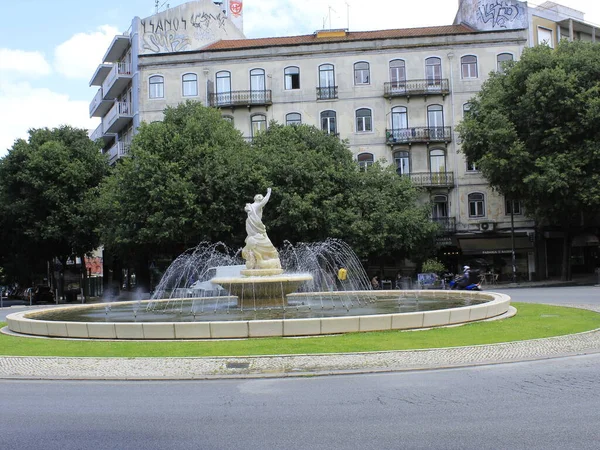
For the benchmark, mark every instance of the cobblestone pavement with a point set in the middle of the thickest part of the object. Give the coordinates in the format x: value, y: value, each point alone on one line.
x: 297, y: 365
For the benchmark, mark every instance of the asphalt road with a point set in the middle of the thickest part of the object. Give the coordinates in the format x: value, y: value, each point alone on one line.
x: 574, y: 295
x: 545, y: 405
x: 548, y: 404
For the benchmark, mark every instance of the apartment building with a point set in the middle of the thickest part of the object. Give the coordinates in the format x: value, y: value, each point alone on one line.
x: 395, y: 95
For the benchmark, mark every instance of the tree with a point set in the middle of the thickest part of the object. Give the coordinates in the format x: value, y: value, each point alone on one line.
x: 319, y: 192
x: 47, y: 189
x: 188, y: 178
x: 533, y: 132
x: 177, y: 188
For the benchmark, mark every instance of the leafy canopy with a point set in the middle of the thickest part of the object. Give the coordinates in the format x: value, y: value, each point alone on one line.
x: 533, y: 131
x: 188, y: 178
x: 48, y: 186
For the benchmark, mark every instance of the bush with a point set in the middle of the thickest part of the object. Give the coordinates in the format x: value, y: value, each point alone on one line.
x: 433, y: 266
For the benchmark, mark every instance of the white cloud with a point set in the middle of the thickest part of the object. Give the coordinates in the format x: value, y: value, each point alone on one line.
x: 22, y: 64
x: 80, y: 55
x: 285, y: 18
x: 25, y: 107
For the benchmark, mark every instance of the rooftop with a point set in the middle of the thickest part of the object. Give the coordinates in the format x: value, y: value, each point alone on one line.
x: 339, y: 36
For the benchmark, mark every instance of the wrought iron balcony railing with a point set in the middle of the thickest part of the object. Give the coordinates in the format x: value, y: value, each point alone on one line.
x: 241, y: 98
x: 418, y: 134
x: 327, y: 93
x: 408, y: 88
x: 447, y: 224
x: 432, y: 179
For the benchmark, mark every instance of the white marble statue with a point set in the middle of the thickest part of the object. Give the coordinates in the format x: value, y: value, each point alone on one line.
x: 259, y: 252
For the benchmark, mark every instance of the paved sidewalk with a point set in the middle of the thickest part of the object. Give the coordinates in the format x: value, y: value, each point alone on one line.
x: 297, y: 365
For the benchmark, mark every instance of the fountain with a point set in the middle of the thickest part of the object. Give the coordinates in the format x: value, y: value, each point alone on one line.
x: 263, y: 279
x: 213, y: 292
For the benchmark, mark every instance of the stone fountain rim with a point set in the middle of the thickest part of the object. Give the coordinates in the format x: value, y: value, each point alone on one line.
x: 25, y: 323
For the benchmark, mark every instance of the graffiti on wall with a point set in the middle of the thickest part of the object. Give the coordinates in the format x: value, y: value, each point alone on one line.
x: 205, y: 24
x: 498, y: 13
x: 165, y: 35
x: 175, y: 34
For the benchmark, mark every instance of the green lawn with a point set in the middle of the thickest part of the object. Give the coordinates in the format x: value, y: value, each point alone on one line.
x: 531, y: 322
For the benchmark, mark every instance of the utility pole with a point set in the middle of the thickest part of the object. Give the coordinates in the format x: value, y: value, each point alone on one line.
x: 512, y: 240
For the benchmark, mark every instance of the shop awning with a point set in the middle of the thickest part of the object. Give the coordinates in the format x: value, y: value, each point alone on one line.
x: 585, y: 240
x: 492, y: 246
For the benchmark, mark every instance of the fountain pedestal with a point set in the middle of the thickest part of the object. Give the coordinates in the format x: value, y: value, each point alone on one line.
x: 264, y: 290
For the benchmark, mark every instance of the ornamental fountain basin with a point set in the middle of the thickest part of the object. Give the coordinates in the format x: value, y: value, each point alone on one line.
x: 303, y: 315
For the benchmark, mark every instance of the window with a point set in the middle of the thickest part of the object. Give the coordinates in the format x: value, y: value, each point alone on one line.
x: 400, y: 132
x: 433, y: 71
x: 466, y: 107
x: 189, y: 83
x: 257, y: 86
x: 293, y: 119
x: 361, y: 73
x: 228, y: 119
x: 223, y: 96
x: 435, y: 122
x: 365, y: 160
x: 514, y: 206
x: 471, y: 166
x: 476, y: 205
x: 291, y: 78
x: 327, y: 87
x: 468, y: 66
x: 328, y: 122
x: 259, y: 124
x: 364, y: 121
x: 439, y: 207
x: 545, y: 37
x: 398, y: 74
x: 502, y: 59
x: 437, y: 161
x: 402, y: 163
x: 156, y: 86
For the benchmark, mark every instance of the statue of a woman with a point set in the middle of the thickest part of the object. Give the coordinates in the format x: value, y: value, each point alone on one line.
x: 259, y: 252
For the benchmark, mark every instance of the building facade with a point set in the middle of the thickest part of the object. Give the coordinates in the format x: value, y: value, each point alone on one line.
x: 395, y: 95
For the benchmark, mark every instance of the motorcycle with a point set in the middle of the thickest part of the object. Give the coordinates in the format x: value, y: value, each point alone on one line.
x: 456, y: 284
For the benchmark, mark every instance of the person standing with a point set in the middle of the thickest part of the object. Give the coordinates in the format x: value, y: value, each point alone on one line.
x: 375, y: 282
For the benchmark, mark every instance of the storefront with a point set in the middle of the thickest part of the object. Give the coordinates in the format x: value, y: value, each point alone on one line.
x: 494, y: 255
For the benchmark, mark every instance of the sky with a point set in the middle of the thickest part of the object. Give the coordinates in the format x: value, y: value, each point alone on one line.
x: 49, y: 49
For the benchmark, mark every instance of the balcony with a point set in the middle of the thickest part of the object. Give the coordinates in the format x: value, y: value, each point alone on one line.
x: 409, y: 88
x: 327, y: 93
x: 118, y: 117
x: 241, y: 98
x: 433, y: 179
x: 418, y: 135
x: 117, y: 80
x: 99, y: 106
x: 447, y: 224
x: 100, y: 74
x: 118, y: 151
x: 100, y: 134
x: 117, y: 48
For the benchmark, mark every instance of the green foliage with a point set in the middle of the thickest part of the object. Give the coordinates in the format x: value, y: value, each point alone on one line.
x: 178, y: 187
x: 533, y: 131
x: 433, y: 266
x: 48, y: 187
x: 189, y: 177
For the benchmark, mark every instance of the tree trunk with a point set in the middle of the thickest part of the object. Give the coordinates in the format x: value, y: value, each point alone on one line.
x: 566, y: 254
